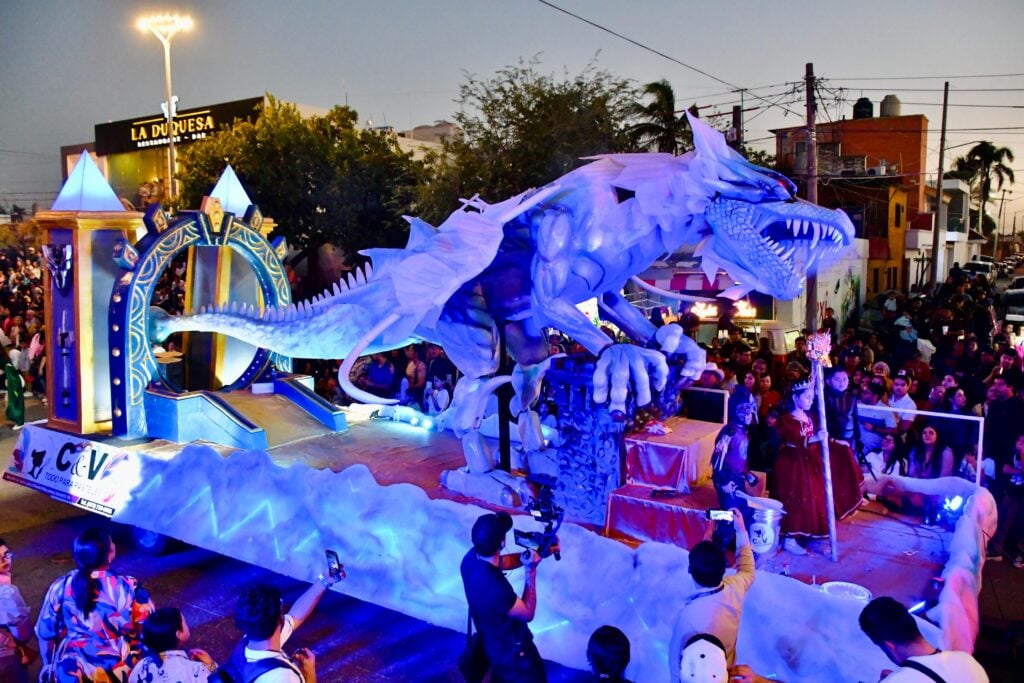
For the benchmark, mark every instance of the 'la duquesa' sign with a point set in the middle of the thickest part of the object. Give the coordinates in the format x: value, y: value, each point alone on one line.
x: 152, y: 132
x: 119, y: 137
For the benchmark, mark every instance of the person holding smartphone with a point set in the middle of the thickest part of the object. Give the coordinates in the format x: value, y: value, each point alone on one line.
x: 260, y: 614
x: 716, y: 605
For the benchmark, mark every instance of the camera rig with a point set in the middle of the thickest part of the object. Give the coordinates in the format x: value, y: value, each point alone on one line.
x: 543, y: 509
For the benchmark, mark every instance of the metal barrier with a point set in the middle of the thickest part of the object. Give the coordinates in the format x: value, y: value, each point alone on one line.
x: 945, y: 416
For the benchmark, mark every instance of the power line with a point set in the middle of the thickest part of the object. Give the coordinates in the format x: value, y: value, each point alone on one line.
x: 649, y: 49
x: 858, y: 88
x: 31, y: 154
x: 983, y: 106
x: 922, y: 78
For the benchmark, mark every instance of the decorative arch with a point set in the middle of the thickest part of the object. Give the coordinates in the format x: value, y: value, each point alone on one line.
x: 132, y: 363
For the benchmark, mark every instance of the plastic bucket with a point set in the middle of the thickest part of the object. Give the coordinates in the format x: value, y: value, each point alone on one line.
x: 766, y: 524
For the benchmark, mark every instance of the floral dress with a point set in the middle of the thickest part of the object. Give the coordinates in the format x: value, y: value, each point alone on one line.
x: 101, y: 647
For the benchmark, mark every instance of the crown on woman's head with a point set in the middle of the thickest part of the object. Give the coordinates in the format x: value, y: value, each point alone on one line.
x: 802, y: 385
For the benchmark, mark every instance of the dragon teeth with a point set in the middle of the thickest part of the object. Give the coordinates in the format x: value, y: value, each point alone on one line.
x: 368, y: 270
x: 817, y: 236
x: 360, y: 278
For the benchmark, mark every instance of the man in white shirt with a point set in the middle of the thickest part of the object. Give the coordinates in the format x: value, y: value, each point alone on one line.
x: 901, y: 400
x: 875, y: 423
x: 892, y: 628
x: 715, y: 607
x: 260, y: 615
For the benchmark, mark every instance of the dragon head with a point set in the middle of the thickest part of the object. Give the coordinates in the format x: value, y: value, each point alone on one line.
x: 760, y: 233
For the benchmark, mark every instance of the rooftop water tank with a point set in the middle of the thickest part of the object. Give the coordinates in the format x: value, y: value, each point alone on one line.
x: 890, y: 106
x: 863, y: 109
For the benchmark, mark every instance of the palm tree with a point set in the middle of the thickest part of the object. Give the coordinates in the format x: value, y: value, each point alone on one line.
x: 658, y: 127
x: 988, y: 163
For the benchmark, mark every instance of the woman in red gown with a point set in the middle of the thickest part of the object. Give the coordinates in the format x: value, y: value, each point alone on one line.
x: 799, y: 474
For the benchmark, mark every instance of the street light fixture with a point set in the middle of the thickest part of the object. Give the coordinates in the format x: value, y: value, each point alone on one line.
x: 164, y: 27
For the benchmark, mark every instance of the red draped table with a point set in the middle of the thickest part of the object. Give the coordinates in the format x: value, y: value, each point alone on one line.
x: 680, y: 460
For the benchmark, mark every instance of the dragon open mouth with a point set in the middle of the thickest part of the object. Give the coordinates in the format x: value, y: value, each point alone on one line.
x: 783, y: 236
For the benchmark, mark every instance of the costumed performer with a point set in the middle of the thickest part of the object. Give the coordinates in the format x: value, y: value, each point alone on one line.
x: 729, y: 470
x: 799, y: 475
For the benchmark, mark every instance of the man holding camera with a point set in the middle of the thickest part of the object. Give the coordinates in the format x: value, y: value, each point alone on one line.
x: 715, y: 607
x: 500, y: 616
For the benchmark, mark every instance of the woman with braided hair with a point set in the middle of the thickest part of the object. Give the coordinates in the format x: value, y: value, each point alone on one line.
x: 91, y: 619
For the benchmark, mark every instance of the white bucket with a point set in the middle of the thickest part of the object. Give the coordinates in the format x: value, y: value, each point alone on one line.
x: 766, y: 526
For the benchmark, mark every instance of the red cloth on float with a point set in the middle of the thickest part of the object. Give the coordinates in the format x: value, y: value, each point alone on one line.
x: 798, y: 480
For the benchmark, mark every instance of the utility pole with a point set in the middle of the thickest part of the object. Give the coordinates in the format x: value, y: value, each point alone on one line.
x: 999, y: 224
x: 737, y: 128
x: 939, y: 227
x: 811, y: 289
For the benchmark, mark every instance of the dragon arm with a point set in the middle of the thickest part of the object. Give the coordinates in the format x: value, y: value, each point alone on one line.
x: 617, y: 363
x: 670, y: 338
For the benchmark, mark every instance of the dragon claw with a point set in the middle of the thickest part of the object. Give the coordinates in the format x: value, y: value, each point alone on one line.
x: 621, y: 362
x: 669, y: 337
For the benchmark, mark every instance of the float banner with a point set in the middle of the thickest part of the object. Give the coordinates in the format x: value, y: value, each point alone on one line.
x: 91, y: 475
x: 132, y: 135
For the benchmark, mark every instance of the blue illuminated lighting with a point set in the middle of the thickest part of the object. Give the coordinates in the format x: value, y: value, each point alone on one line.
x: 265, y: 506
x: 953, y: 504
x: 86, y: 189
x: 414, y: 421
x: 918, y: 607
x: 428, y: 424
x: 552, y: 627
x: 233, y: 197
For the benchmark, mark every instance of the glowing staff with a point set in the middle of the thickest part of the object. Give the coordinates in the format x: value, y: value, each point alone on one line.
x: 818, y: 348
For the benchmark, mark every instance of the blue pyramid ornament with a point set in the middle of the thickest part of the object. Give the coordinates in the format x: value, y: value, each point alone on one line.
x: 86, y: 189
x: 233, y: 197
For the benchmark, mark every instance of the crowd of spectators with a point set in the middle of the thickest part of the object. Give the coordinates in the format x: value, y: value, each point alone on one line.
x: 97, y: 624
x: 948, y: 353
x: 22, y: 333
x: 418, y: 375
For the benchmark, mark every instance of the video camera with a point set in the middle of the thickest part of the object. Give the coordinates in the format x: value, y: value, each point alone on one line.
x: 543, y: 509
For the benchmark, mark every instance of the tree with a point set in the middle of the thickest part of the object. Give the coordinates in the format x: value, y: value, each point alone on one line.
x: 758, y: 157
x: 521, y: 129
x: 659, y: 127
x: 987, y: 163
x: 320, y: 178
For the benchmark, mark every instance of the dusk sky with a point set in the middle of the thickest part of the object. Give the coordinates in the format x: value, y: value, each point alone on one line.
x: 66, y: 65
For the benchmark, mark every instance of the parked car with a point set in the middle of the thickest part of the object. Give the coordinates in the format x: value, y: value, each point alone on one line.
x: 1013, y: 304
x: 975, y: 268
x: 1016, y: 283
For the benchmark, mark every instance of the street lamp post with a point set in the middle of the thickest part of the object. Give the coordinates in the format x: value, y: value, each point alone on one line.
x: 164, y: 27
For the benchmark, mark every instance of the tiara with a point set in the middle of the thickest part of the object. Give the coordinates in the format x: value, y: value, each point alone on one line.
x: 802, y: 385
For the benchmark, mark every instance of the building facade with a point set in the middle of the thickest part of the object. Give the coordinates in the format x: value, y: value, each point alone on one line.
x: 873, y: 168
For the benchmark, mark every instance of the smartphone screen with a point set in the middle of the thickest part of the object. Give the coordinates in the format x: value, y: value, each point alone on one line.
x: 334, y: 563
x: 720, y: 515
